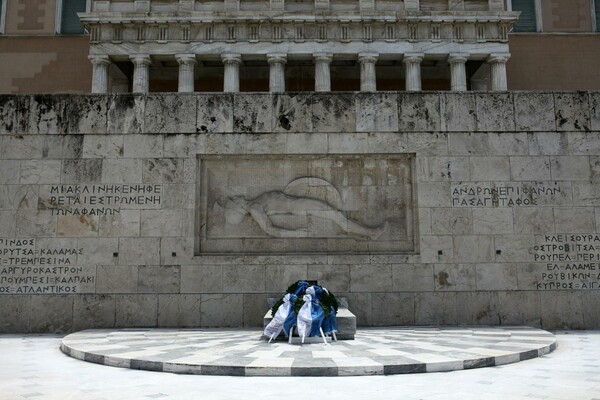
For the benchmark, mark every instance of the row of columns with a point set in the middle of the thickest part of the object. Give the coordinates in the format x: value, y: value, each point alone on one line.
x: 232, y: 62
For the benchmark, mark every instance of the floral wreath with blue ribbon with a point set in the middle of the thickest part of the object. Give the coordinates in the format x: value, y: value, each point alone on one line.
x: 311, y: 308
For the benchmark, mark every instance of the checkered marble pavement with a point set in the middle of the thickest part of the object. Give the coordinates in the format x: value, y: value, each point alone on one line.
x: 375, y: 351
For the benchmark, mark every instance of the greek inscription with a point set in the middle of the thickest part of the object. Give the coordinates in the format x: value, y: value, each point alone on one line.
x: 26, y: 268
x: 570, y: 262
x: 99, y: 199
x: 502, y: 194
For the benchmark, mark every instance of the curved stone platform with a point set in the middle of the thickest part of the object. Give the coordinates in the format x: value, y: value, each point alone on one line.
x: 375, y: 351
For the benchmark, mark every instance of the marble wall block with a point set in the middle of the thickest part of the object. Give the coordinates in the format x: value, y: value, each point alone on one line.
x: 419, y: 112
x: 591, y: 302
x: 222, y: 310
x: 8, y: 115
x: 244, y: 278
x: 179, y: 311
x: 140, y: 310
x: 509, y: 143
x: 496, y: 276
x: 572, y: 111
x: 393, y: 309
x: 572, y: 168
x: 77, y: 225
x: 574, y: 220
x: 428, y: 144
x: 126, y: 114
x: 537, y: 220
x: 468, y: 143
x: 412, y: 277
x: 514, y: 248
x: 36, y: 224
x: 118, y: 170
x: 534, y: 111
x: 94, y: 311
x: 520, y: 308
x: 436, y: 308
x: 124, y: 224
x: 370, y: 278
x: 40, y: 172
x: 530, y: 168
x: 437, y: 249
x: 161, y: 223
x: 100, y: 146
x: 454, y: 277
x: 21, y: 147
x: 445, y: 168
x: 159, y: 279
x: 451, y: 221
x: 201, y: 279
x: 62, y: 147
x: 48, y: 114
x: 172, y: 113
x: 184, y: 145
x: 292, y: 113
x: 595, y: 111
x: 583, y: 143
x: 255, y: 307
x: 459, y: 112
x: 335, y: 278
x: 215, y: 113
x: 376, y: 114
x: 562, y: 310
x: 8, y: 221
x: 279, y: 277
x: 333, y: 112
x: 548, y: 143
x: 252, y: 114
x: 490, y: 168
x: 492, y: 221
x: 116, y: 279
x: 10, y: 171
x: 142, y: 146
x: 87, y: 114
x: 82, y: 171
x: 434, y: 194
x: 495, y: 112
x: 98, y: 251
x: 469, y: 249
x: 14, y: 314
x: 53, y: 313
x: 139, y: 251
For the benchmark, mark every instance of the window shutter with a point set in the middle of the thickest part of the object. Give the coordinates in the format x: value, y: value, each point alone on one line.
x: 597, y: 8
x: 527, y: 20
x: 70, y: 21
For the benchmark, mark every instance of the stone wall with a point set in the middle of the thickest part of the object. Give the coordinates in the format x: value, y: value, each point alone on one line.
x: 104, y: 206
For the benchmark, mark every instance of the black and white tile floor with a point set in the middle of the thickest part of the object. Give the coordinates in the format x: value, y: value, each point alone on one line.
x: 375, y: 351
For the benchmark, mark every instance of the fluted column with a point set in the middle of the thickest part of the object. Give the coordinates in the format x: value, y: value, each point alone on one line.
x: 368, y: 79
x: 232, y: 72
x: 100, y: 65
x: 277, y: 72
x: 412, y: 63
x: 498, y: 65
x: 458, y: 74
x: 322, y: 73
x: 186, y: 72
x: 141, y: 79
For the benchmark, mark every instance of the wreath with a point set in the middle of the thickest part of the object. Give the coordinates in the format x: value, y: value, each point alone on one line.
x: 327, y: 299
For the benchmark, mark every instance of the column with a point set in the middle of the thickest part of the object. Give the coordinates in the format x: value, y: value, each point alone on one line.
x: 277, y: 72
x: 140, y: 72
x: 498, y: 65
x: 322, y: 73
x: 412, y: 63
x: 232, y: 72
x: 100, y: 65
x: 368, y: 82
x: 186, y: 72
x: 458, y: 74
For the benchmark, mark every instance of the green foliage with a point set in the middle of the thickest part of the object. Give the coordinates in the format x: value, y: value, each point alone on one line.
x: 327, y: 300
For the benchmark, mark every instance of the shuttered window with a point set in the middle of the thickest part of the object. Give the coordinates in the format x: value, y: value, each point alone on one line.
x: 70, y: 23
x: 527, y: 20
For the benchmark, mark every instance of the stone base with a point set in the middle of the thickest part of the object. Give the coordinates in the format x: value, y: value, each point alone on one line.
x: 346, y: 322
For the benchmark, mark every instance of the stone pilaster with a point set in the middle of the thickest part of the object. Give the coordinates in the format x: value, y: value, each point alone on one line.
x: 186, y: 72
x: 458, y: 74
x: 277, y: 72
x: 498, y: 66
x: 368, y: 79
x: 232, y: 72
x: 322, y: 72
x: 100, y: 65
x: 141, y: 62
x: 412, y: 63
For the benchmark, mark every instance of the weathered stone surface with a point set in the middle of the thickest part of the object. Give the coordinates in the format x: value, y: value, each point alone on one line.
x: 137, y: 310
x: 252, y: 113
x: 51, y: 313
x: 451, y: 221
x: 121, y: 170
x: 202, y: 279
x: 40, y: 171
x: 490, y: 168
x: 170, y: 113
x: 496, y: 277
x: 116, y: 279
x: 377, y: 114
x: 574, y: 220
x: 412, y: 277
x: 222, y: 310
x: 336, y: 278
x: 62, y: 147
x: 492, y: 221
x: 538, y: 220
x: 243, y: 279
x: 100, y: 146
x: 495, y: 112
x: 454, y: 277
x: 179, y: 310
x: 142, y: 146
x: 87, y: 114
x: 530, y: 168
x: 126, y: 114
x: 215, y: 113
x: 94, y: 311
x: 548, y: 143
x: 418, y: 112
x: 292, y: 113
x: 393, y: 308
x: 279, y: 277
x: 512, y: 143
x: 161, y: 223
x: 570, y: 168
x: 468, y: 143
x: 139, y: 251
x: 14, y: 314
x: 159, y: 279
x: 47, y: 115
x: 333, y: 112
x: 562, y: 309
x: 458, y: 112
x: 82, y: 171
x: 572, y: 111
x: 534, y: 111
